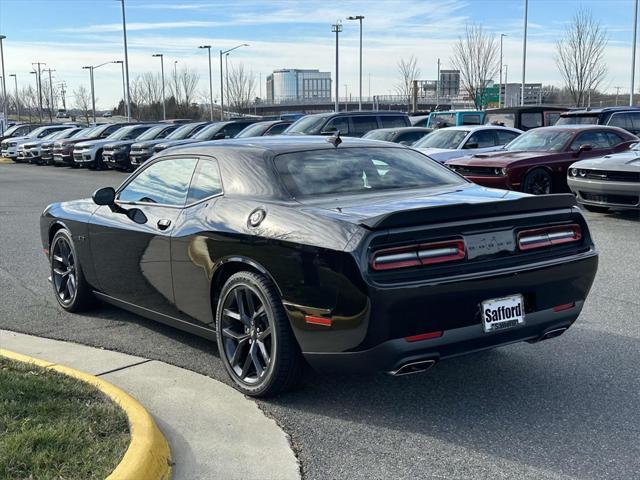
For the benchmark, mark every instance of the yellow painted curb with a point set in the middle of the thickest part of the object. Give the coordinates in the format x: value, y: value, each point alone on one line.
x: 148, y: 456
x: 5, y: 160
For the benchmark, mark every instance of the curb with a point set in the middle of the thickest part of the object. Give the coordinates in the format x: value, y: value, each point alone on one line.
x: 148, y: 456
x: 6, y: 160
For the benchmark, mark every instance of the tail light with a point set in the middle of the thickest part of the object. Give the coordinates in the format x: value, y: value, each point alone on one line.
x: 415, y: 255
x: 548, y: 236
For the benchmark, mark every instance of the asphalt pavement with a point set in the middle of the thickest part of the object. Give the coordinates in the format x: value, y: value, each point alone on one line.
x: 564, y: 408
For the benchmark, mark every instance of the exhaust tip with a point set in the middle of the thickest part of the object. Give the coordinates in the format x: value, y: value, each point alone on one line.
x: 556, y: 332
x: 413, y: 367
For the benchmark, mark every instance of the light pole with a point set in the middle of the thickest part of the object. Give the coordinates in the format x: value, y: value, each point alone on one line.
x: 438, y: 85
x: 39, y: 86
x: 633, y: 52
x: 50, y: 95
x: 506, y: 82
x: 39, y: 113
x: 124, y: 88
x: 15, y: 78
x: 337, y: 28
x: 502, y: 35
x: 359, y: 18
x: 226, y: 76
x: 91, y: 68
x: 221, y: 83
x: 126, y: 65
x: 4, y: 85
x: 524, y: 51
x: 164, y: 108
x: 208, y: 47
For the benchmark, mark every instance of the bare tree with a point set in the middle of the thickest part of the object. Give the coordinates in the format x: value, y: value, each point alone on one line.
x: 82, y: 101
x: 476, y: 57
x: 408, y: 71
x: 580, y: 56
x: 30, y: 100
x: 241, y: 88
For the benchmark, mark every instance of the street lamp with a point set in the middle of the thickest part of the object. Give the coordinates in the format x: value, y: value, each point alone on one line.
x: 221, y: 85
x: 164, y: 109
x: 208, y: 47
x: 124, y: 88
x: 524, y: 51
x: 359, y: 18
x: 633, y: 53
x: 4, y: 86
x: 126, y: 64
x: 502, y: 35
x: 337, y: 28
x: 15, y: 78
x: 91, y: 68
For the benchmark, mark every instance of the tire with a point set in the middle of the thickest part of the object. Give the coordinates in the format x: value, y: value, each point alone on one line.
x: 595, y: 208
x: 63, y: 258
x: 538, y: 182
x: 260, y: 364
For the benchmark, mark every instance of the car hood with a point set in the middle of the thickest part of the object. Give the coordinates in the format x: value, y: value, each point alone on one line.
x: 20, y: 140
x: 358, y: 208
x: 498, y: 159
x: 93, y: 143
x: 150, y: 143
x: 121, y: 143
x: 628, y: 161
x: 70, y: 141
x: 175, y: 143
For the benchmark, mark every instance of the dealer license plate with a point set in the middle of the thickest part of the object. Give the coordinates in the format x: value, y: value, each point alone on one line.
x: 502, y: 313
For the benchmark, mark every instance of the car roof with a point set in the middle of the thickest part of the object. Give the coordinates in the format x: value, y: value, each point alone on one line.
x: 591, y: 111
x: 525, y: 108
x: 278, y: 144
x: 473, y: 128
x: 364, y: 112
x: 578, y: 126
x: 402, y: 129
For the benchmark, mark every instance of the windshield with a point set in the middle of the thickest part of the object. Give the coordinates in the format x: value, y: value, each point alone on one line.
x: 124, y: 133
x: 441, y: 120
x: 151, y: 133
x: 207, y: 132
x: 255, y: 130
x: 449, y: 139
x: 58, y: 134
x: 577, y: 120
x: 182, y: 132
x: 385, y: 135
x: 85, y: 132
x: 9, y: 131
x: 360, y: 170
x: 550, y: 140
x: 306, y: 125
x: 501, y: 119
x: 36, y: 133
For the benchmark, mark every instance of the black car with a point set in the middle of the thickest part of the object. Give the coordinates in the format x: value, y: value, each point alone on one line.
x: 403, y: 135
x: 356, y: 256
x: 524, y: 117
x: 267, y: 127
x: 352, y: 124
x: 116, y: 154
x: 142, y: 151
x: 627, y: 118
x: 213, y: 131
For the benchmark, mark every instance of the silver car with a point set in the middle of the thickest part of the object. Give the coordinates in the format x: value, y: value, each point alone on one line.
x: 612, y: 181
x: 455, y: 142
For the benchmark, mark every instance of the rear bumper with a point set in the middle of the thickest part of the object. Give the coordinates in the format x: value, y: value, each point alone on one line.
x: 391, y: 355
x: 606, y: 193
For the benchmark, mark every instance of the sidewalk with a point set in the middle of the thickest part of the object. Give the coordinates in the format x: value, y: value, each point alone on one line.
x: 213, y: 430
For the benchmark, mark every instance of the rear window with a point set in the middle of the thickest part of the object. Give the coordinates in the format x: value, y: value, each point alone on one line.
x: 577, y: 120
x: 531, y: 120
x: 390, y: 121
x: 501, y: 119
x: 471, y: 119
x: 359, y: 170
x: 362, y: 125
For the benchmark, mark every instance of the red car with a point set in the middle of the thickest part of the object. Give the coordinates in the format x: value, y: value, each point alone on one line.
x: 537, y: 161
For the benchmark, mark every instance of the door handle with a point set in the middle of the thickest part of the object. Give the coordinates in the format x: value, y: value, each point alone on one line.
x: 164, y: 223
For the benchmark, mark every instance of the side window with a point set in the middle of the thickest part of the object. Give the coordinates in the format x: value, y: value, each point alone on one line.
x: 635, y: 122
x: 277, y: 129
x: 390, y: 121
x: 233, y: 129
x: 409, y: 137
x: 471, y: 119
x: 206, y: 181
x: 622, y: 120
x: 614, y: 138
x: 551, y: 118
x: 338, y: 123
x: 363, y: 124
x: 109, y: 130
x: 531, y: 120
x: 595, y: 139
x: 481, y: 139
x: 505, y: 136
x: 135, y: 133
x: 165, y: 182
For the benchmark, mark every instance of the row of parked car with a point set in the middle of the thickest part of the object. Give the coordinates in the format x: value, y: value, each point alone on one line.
x: 538, y: 161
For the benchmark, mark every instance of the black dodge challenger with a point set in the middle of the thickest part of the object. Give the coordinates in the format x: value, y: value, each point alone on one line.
x: 354, y: 255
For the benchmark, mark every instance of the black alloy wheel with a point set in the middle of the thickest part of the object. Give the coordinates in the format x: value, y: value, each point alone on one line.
x: 255, y: 340
x: 71, y: 290
x: 538, y: 182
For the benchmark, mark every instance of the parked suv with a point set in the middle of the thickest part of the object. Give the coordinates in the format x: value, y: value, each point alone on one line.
x: 9, y: 147
x: 141, y: 151
x: 351, y: 124
x: 214, y: 131
x: 89, y: 152
x: 116, y: 154
x: 524, y: 118
x: 63, y: 149
x: 627, y: 118
x: 31, y: 151
x: 19, y: 130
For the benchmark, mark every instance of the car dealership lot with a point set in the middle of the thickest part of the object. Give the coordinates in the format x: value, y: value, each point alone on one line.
x: 566, y: 408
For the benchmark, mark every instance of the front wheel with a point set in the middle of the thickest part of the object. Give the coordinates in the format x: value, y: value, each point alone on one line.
x: 72, y: 291
x: 538, y: 182
x: 255, y: 341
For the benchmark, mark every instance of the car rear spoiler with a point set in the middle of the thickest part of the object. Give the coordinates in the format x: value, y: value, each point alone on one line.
x: 436, y: 214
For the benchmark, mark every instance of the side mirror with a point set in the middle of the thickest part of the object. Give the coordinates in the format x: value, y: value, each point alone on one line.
x: 104, y: 196
x: 219, y: 136
x: 584, y: 148
x: 470, y: 145
x: 404, y: 142
x: 329, y: 131
x: 104, y: 135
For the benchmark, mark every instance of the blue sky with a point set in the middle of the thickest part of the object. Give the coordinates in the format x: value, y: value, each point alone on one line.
x: 67, y: 34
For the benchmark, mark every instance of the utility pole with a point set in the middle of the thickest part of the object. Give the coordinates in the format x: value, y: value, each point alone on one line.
x: 337, y: 28
x: 506, y: 82
x: 50, y: 94
x: 208, y: 47
x: 524, y: 51
x: 359, y: 18
x: 502, y: 35
x: 93, y: 96
x: 633, y: 53
x: 126, y: 67
x: 164, y: 106
x: 346, y: 98
x: 15, y: 78
x: 39, y: 87
x: 4, y: 87
x: 438, y: 85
